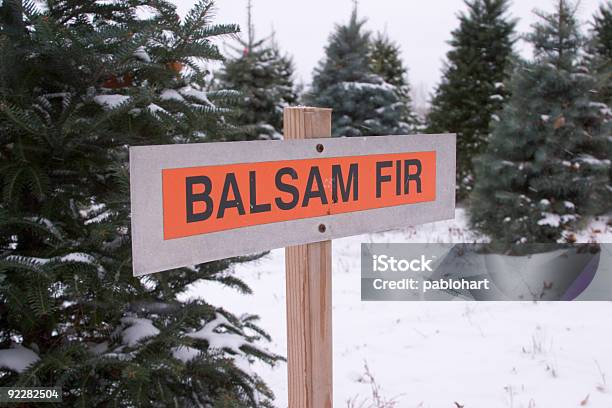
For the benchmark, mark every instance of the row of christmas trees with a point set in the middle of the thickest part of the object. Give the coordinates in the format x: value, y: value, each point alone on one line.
x: 533, y: 142
x: 362, y: 78
x: 81, y: 80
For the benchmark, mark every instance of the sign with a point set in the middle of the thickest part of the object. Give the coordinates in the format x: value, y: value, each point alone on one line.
x: 200, y: 202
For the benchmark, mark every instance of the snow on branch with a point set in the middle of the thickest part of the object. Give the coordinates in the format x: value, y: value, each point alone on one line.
x: 17, y: 358
x: 201, y: 96
x: 141, y: 54
x: 185, y: 353
x: 367, y: 85
x: 74, y: 257
x: 111, y: 101
x: 171, y: 95
x: 137, y: 329
x: 217, y: 340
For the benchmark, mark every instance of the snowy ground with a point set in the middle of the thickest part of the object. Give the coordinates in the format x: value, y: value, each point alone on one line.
x: 437, y: 354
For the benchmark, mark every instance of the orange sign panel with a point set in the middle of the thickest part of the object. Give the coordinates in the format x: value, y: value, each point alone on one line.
x: 200, y: 200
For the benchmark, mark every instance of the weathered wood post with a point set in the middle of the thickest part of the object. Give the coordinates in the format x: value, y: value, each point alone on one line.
x: 308, y: 274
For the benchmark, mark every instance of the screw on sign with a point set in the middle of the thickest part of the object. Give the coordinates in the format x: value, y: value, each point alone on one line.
x: 238, y: 198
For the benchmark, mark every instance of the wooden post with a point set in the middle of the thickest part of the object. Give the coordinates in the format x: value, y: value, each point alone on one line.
x: 309, y: 309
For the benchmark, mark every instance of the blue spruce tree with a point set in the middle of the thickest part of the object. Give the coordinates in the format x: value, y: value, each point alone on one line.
x: 386, y: 62
x: 362, y: 102
x: 547, y: 164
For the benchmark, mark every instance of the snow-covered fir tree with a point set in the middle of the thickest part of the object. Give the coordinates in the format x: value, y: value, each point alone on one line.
x: 472, y: 87
x: 387, y: 63
x: 264, y: 77
x: 362, y: 102
x: 79, y: 82
x: 600, y: 51
x: 547, y: 164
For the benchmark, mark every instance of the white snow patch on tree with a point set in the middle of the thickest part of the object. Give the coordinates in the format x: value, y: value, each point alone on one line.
x: 171, y: 95
x: 497, y: 97
x: 154, y: 109
x: 99, y: 218
x: 243, y: 364
x: 111, y: 101
x: 185, y: 353
x: 91, y: 209
x: 545, y: 202
x: 17, y: 358
x: 550, y: 219
x: 216, y: 340
x: 197, y: 94
x: 568, y: 217
x: 141, y: 54
x: 588, y: 159
x: 367, y: 85
x: 137, y: 329
x: 78, y: 257
x: 599, y: 105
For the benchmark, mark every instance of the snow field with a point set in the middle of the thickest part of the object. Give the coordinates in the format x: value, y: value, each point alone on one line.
x: 433, y: 354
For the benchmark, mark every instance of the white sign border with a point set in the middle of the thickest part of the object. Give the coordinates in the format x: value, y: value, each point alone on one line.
x: 151, y: 253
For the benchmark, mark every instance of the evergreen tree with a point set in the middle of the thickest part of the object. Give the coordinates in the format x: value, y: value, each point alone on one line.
x: 264, y: 76
x: 362, y: 102
x: 79, y: 82
x: 547, y: 163
x: 387, y: 63
x: 600, y: 51
x: 472, y: 88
